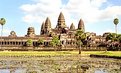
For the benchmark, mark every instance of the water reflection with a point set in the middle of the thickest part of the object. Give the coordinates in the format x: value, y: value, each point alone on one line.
x: 4, y: 71
x: 12, y: 71
x: 59, y: 64
x: 24, y: 71
x: 101, y: 71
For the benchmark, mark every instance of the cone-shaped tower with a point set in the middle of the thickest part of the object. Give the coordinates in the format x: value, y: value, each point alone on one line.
x: 61, y: 21
x: 81, y: 25
x: 72, y: 27
x: 42, y: 28
x: 47, y: 23
x: 47, y: 26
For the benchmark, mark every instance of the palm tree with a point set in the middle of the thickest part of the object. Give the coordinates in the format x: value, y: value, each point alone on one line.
x: 116, y: 21
x: 80, y: 37
x: 2, y: 22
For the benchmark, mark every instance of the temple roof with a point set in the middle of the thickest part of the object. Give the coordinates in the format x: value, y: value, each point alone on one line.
x: 31, y: 32
x: 31, y: 29
x: 12, y: 34
x: 72, y: 27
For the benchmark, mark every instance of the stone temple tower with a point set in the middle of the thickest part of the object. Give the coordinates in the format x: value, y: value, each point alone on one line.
x: 47, y: 26
x: 81, y: 25
x: 61, y: 21
x: 42, y: 28
x: 12, y: 34
x: 31, y: 32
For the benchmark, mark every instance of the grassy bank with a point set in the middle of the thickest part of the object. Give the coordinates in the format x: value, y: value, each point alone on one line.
x: 110, y: 53
x: 56, y: 53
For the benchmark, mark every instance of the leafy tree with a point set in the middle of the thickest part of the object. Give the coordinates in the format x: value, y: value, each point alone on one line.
x: 29, y: 42
x: 115, y: 40
x: 116, y: 21
x: 119, y: 37
x: 80, y: 37
x: 40, y: 41
x: 55, y: 41
x: 112, y: 37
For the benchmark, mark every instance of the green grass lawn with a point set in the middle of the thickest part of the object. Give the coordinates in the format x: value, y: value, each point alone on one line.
x: 56, y: 53
x: 111, y: 53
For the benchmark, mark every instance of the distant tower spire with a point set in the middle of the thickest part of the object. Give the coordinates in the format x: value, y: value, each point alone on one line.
x: 47, y: 23
x: 42, y: 28
x: 81, y: 25
x: 72, y: 27
x: 47, y: 26
x: 61, y: 21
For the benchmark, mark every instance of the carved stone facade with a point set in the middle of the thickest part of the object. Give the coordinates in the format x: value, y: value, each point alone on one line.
x: 65, y: 33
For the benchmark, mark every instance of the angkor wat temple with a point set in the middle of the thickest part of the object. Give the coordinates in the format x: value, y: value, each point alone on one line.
x: 66, y: 36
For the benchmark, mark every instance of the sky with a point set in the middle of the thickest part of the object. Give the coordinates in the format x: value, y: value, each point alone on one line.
x: 98, y: 15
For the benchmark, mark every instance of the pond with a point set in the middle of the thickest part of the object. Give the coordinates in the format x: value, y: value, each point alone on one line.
x: 59, y: 64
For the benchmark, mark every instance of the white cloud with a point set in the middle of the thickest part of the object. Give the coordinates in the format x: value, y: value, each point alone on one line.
x: 37, y: 13
x: 110, y: 12
x: 97, y: 3
x: 89, y: 10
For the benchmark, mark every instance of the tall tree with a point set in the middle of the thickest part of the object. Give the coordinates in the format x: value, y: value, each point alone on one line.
x: 80, y: 37
x: 116, y: 21
x: 2, y: 22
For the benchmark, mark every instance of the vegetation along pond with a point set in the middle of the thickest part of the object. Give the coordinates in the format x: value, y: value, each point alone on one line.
x: 58, y: 64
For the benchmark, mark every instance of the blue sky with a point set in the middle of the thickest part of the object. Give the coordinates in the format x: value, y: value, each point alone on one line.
x: 97, y: 15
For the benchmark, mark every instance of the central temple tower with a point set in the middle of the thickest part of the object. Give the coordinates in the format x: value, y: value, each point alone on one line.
x: 61, y: 21
x: 61, y: 27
